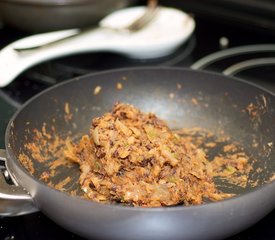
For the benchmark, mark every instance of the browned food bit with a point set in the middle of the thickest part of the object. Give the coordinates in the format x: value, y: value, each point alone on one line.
x: 134, y: 158
x: 27, y: 162
x: 97, y: 90
x: 119, y: 86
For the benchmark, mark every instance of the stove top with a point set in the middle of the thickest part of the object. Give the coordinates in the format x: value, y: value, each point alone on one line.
x: 219, y: 46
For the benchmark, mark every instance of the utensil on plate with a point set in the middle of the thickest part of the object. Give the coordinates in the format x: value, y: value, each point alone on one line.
x: 152, y: 7
x: 70, y: 106
x: 169, y: 29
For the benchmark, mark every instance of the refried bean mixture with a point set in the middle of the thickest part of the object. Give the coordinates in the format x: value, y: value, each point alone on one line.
x: 134, y: 158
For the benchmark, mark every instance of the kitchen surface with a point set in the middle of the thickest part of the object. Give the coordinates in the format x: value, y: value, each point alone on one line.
x: 232, y: 44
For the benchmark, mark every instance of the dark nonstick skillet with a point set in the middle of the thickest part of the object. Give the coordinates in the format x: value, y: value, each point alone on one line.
x: 53, y: 15
x: 184, y: 98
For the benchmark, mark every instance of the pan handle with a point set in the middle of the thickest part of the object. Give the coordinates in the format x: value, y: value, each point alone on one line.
x: 14, y: 199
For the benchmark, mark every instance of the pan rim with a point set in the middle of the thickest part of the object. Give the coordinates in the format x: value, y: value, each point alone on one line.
x: 12, y: 157
x: 48, y: 3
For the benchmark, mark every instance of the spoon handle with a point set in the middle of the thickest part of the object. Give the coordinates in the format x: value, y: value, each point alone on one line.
x: 44, y: 39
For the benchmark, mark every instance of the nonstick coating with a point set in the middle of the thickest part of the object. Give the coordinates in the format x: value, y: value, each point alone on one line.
x: 184, y: 98
x: 46, y: 16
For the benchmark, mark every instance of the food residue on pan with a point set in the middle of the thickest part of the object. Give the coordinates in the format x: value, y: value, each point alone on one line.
x: 194, y: 101
x: 228, y: 163
x: 68, y: 115
x: 272, y: 178
x: 133, y: 158
x: 27, y: 163
x: 119, y: 86
x: 124, y: 78
x: 43, y: 146
x: 97, y: 90
x: 257, y: 109
x: 61, y: 185
x: 171, y: 95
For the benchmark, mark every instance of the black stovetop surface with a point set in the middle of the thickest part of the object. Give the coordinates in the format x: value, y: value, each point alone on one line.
x: 210, y: 37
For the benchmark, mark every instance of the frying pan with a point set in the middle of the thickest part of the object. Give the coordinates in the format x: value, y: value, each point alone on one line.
x: 221, y: 107
x: 51, y: 15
